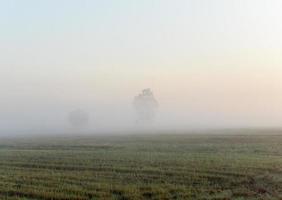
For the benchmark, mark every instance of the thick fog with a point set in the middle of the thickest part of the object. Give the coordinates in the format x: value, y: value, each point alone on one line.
x: 117, y: 66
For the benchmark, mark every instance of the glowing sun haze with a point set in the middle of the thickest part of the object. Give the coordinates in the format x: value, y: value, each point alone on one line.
x: 209, y: 63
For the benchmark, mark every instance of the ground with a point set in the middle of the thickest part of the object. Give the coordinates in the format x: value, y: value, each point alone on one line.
x: 166, y: 166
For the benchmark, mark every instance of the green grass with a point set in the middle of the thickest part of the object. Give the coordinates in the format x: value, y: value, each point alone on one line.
x: 142, y: 167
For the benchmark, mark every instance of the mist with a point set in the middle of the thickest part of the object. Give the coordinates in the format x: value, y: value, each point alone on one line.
x: 209, y: 65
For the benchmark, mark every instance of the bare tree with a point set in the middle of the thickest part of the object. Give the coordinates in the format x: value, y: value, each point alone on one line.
x: 146, y: 106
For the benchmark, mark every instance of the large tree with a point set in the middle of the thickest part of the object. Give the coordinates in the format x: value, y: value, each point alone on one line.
x: 146, y: 106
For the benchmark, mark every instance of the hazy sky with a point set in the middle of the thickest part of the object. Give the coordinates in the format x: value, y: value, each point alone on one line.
x: 210, y: 63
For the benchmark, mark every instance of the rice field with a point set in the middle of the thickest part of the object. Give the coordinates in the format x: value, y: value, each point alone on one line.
x: 169, y: 166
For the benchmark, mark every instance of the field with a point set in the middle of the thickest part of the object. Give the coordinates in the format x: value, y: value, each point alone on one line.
x: 168, y: 166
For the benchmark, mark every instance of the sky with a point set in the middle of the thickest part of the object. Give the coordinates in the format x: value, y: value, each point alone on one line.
x: 210, y: 64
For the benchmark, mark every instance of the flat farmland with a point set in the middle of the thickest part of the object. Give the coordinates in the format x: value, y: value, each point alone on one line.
x: 165, y: 166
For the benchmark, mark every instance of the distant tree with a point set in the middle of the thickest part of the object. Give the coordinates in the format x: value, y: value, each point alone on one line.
x: 146, y: 106
x: 78, y: 118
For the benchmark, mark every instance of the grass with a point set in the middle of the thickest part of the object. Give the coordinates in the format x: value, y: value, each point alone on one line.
x: 142, y: 167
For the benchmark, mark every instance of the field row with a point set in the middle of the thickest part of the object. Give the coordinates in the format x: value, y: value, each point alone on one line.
x: 134, y: 168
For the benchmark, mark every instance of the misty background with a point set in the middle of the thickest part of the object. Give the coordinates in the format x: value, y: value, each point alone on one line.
x: 210, y: 64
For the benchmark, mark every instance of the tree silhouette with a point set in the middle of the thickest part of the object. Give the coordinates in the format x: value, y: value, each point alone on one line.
x: 78, y: 118
x: 146, y: 106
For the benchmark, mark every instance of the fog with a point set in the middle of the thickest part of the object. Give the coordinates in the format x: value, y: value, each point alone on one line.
x: 209, y: 64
